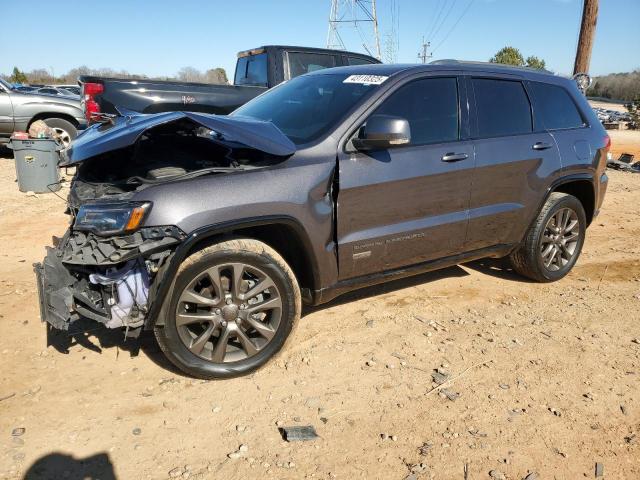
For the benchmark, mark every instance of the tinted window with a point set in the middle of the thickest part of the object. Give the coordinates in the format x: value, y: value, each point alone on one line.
x: 358, y: 61
x: 306, y: 107
x: 555, y: 106
x: 252, y: 70
x: 502, y: 107
x: 430, y: 106
x: 301, y: 63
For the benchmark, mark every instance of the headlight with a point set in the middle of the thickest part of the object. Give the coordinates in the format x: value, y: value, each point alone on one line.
x: 111, y: 218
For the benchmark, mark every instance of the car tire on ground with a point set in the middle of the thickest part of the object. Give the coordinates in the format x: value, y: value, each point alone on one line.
x: 554, y: 242
x: 232, y: 308
x: 65, y: 129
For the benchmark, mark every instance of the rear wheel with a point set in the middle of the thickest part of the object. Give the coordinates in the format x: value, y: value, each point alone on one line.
x: 554, y: 242
x: 233, y: 306
x: 65, y: 130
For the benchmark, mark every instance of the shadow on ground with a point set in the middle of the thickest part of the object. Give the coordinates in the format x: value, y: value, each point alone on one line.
x: 6, y: 153
x: 95, y: 337
x: 57, y: 465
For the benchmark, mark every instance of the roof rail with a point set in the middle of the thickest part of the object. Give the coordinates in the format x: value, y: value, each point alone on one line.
x: 451, y: 61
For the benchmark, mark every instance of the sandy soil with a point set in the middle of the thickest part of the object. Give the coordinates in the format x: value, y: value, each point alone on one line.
x: 625, y: 141
x: 618, y: 107
x: 548, y: 376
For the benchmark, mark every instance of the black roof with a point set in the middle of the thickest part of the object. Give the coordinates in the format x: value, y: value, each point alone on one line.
x: 305, y: 49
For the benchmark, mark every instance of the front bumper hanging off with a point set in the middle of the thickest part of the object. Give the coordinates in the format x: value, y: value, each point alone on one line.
x: 105, y: 279
x: 54, y: 291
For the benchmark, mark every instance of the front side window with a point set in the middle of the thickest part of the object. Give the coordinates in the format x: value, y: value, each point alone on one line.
x: 301, y: 63
x: 431, y: 108
x: 502, y: 107
x: 305, y: 108
x: 555, y: 106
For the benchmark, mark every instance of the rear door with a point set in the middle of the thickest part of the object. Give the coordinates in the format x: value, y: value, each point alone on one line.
x: 514, y: 158
x: 408, y: 204
x: 563, y: 120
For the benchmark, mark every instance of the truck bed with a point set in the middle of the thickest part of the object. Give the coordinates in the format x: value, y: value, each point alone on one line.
x: 153, y: 96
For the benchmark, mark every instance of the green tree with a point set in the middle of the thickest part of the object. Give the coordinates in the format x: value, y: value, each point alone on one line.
x: 634, y: 110
x: 508, y: 56
x: 535, y: 62
x: 17, y: 76
x: 216, y: 75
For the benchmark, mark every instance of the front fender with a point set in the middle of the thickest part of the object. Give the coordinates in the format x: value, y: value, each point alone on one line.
x: 162, y: 289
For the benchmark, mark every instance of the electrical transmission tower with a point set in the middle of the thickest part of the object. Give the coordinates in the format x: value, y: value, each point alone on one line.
x: 359, y: 16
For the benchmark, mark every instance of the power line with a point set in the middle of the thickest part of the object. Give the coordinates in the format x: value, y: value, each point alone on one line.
x: 444, y: 19
x: 454, y: 25
x: 437, y: 17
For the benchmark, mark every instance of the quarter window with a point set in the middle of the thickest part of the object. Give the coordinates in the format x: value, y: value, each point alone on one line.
x: 555, y: 106
x: 502, y: 107
x: 430, y: 106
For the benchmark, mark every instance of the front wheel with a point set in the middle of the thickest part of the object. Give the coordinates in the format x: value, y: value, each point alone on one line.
x: 554, y: 242
x: 233, y: 306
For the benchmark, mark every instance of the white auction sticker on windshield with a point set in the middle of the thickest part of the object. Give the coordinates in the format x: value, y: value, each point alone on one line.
x: 365, y: 79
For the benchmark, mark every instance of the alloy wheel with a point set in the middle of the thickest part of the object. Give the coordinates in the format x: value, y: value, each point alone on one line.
x: 229, y: 312
x: 559, y: 242
x: 63, y: 136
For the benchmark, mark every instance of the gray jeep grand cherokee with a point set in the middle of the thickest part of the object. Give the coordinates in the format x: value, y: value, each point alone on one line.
x: 212, y: 231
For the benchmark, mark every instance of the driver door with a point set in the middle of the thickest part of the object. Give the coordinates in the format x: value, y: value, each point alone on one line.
x: 408, y: 204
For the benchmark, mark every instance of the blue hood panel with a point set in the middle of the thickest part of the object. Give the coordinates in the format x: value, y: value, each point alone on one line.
x: 256, y: 134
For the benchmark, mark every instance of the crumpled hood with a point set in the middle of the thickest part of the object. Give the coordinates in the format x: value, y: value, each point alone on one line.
x: 98, y: 139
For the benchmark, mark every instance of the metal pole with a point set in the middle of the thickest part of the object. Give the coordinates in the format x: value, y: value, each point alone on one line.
x: 375, y: 29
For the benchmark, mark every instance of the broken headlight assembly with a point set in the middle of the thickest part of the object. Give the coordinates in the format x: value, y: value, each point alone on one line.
x: 111, y: 218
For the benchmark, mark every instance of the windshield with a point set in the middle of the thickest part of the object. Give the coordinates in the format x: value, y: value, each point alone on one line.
x: 306, y: 107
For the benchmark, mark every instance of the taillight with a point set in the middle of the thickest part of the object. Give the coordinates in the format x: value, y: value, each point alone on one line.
x: 89, y: 91
x: 607, y: 143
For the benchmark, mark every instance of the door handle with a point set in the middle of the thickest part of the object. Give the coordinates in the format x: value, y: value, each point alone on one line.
x: 454, y: 157
x: 541, y: 146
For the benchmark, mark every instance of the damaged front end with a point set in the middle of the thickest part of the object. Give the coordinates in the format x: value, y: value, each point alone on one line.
x: 106, y: 265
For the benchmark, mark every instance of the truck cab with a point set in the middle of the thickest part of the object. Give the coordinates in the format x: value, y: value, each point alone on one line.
x: 270, y: 65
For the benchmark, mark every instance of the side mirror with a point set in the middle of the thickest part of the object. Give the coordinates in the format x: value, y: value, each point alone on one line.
x: 382, y: 132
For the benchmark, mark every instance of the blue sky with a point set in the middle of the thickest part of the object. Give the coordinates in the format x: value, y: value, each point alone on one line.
x: 161, y: 36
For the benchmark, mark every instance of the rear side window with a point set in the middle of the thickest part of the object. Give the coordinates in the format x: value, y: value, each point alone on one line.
x: 430, y: 106
x: 502, y: 107
x: 555, y: 106
x: 252, y: 70
x: 301, y: 63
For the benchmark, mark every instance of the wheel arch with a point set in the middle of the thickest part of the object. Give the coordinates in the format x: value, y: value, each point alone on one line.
x: 62, y: 116
x: 284, y: 234
x: 581, y: 187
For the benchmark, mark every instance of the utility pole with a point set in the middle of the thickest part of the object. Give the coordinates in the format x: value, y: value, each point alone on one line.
x: 587, y: 33
x: 423, y: 56
x: 361, y: 16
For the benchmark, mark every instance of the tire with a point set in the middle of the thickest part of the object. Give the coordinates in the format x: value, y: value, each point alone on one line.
x: 195, y: 347
x: 65, y: 129
x: 530, y: 261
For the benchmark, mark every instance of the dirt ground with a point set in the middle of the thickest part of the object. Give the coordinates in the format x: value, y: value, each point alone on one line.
x: 543, y: 378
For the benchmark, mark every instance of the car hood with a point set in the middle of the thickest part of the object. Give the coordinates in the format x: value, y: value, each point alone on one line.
x: 125, y: 131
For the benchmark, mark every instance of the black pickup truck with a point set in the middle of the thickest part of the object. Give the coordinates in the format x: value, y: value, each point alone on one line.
x: 256, y: 71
